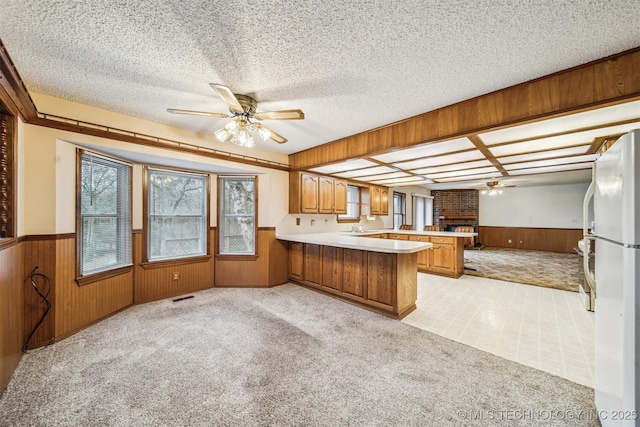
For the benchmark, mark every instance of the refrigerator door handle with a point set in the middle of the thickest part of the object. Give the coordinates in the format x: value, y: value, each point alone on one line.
x: 588, y: 274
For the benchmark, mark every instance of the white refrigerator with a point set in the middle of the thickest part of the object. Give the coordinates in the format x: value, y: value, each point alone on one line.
x: 616, y: 205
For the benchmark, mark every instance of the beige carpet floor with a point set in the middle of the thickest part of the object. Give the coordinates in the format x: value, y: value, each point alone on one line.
x: 284, y: 356
x: 539, y: 268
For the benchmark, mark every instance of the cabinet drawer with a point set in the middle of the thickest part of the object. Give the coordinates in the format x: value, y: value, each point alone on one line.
x: 398, y: 236
x: 443, y: 240
x: 419, y: 238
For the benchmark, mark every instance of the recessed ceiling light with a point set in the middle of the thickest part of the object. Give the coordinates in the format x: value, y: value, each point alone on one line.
x: 551, y: 162
x: 437, y: 176
x: 552, y: 169
x: 431, y: 149
x: 453, y: 167
x: 582, y: 149
x: 365, y: 172
x: 561, y: 141
x: 471, y: 177
x: 440, y: 160
x: 601, y: 116
x: 344, y: 166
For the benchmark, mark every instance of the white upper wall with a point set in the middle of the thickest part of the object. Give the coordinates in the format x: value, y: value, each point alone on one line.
x: 549, y: 206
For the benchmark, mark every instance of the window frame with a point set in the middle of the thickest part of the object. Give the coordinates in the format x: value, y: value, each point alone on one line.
x: 403, y: 196
x: 220, y: 198
x: 12, y: 184
x: 344, y: 218
x: 146, y: 232
x: 91, y: 277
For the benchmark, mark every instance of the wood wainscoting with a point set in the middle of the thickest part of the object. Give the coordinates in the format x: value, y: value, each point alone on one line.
x: 538, y: 239
x: 269, y: 268
x: 11, y: 311
x: 157, y: 282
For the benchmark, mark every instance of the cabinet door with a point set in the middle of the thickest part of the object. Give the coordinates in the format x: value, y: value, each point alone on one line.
x: 325, y: 199
x: 296, y: 253
x: 312, y: 263
x: 384, y: 201
x: 339, y: 196
x: 354, y: 272
x: 375, y: 200
x: 380, y: 277
x: 332, y: 267
x: 443, y: 258
x: 308, y: 193
x: 424, y: 257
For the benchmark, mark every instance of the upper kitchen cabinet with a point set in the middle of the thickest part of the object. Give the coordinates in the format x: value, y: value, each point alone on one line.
x: 310, y: 193
x: 375, y: 200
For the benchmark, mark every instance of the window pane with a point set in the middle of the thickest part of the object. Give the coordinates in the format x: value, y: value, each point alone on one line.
x: 177, y: 215
x: 353, y: 203
x: 237, y: 215
x: 105, y: 226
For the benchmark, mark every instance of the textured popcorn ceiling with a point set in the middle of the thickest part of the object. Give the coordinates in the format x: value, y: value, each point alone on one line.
x: 349, y: 65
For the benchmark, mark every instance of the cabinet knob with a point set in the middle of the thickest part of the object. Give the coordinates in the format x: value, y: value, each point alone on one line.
x: 418, y: 238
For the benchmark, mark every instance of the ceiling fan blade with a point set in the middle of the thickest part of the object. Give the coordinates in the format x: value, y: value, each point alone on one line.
x: 273, y: 135
x: 197, y: 113
x: 280, y: 115
x: 228, y: 97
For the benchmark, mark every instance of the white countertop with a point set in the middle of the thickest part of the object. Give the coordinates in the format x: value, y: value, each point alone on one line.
x: 358, y: 241
x: 411, y: 233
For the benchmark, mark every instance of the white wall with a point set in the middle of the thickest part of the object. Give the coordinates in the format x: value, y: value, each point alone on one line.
x: 550, y: 206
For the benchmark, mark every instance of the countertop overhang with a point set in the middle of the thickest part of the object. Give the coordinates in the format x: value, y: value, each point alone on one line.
x: 359, y: 241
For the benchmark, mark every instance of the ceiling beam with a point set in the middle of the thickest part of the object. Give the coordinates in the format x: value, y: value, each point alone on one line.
x: 607, y: 81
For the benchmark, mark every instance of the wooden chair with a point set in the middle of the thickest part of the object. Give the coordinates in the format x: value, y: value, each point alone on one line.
x: 431, y: 228
x: 406, y: 227
x: 469, y: 242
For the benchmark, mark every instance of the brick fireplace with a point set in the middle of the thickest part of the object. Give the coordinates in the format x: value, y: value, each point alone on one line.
x: 455, y: 207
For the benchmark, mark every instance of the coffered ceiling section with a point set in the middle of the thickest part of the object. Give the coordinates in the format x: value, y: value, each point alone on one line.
x: 546, y: 147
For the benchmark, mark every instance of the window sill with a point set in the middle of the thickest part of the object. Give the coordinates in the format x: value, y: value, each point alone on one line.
x: 149, y: 265
x: 96, y: 277
x: 228, y: 257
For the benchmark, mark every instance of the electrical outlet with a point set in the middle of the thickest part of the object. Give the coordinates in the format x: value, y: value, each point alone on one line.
x: 176, y: 275
x: 297, y: 221
x: 313, y: 221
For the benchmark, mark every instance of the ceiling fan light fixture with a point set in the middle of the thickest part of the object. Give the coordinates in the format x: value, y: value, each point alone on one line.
x: 223, y: 135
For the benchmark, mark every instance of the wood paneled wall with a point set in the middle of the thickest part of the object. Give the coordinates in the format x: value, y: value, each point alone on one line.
x: 539, y: 239
x: 157, y: 282
x: 11, y: 311
x: 270, y: 268
x: 80, y: 306
x: 39, y: 251
x: 602, y: 82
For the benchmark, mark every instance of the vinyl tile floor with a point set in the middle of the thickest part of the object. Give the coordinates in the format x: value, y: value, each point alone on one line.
x: 544, y: 328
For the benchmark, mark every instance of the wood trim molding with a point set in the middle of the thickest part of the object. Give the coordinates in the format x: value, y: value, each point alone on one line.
x: 150, y: 265
x: 266, y: 229
x: 17, y: 99
x: 92, y: 278
x: 38, y: 237
x: 603, y: 82
x: 7, y: 243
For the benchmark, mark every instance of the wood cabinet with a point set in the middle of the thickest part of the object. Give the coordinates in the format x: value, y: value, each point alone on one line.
x: 310, y: 193
x: 374, y: 200
x: 446, y: 258
x: 312, y: 264
x: 296, y: 256
x: 398, y: 236
x: 424, y: 257
x: 382, y: 282
x: 332, y: 267
x: 354, y: 272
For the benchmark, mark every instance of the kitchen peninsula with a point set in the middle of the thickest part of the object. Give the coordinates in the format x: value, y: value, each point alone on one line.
x: 376, y: 269
x: 377, y: 274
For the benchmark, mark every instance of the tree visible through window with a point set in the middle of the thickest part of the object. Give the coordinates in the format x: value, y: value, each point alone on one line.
x: 105, y: 214
x: 177, y: 215
x: 237, y: 207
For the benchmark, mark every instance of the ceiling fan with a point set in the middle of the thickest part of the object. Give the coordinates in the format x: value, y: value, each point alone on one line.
x: 242, y: 108
x: 494, y: 187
